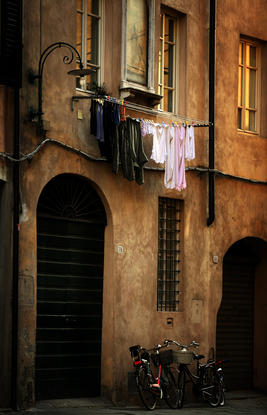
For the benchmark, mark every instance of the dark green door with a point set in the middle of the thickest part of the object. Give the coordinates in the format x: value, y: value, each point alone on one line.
x: 69, y: 306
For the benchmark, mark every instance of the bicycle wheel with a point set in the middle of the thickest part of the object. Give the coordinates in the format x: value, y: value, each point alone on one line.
x: 148, y: 398
x: 181, y: 387
x: 170, y: 387
x: 222, y: 401
x: 212, y: 389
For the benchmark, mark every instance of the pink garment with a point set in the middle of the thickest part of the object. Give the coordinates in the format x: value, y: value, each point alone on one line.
x: 169, y: 176
x: 180, y: 182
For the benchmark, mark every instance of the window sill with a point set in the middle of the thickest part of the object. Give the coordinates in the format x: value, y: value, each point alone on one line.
x: 133, y: 92
x: 247, y: 133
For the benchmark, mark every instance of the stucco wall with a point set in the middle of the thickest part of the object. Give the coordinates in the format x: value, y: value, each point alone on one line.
x: 130, y: 287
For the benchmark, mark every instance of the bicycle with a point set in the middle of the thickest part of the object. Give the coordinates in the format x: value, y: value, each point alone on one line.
x: 164, y: 386
x: 208, y: 381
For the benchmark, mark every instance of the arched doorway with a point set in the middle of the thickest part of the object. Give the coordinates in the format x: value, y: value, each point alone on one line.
x: 241, y: 326
x: 71, y: 221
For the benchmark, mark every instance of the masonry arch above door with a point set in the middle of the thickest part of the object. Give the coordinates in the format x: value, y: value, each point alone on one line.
x: 71, y: 221
x: 241, y: 321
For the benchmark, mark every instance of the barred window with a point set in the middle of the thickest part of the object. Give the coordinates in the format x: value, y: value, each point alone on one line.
x: 168, y: 254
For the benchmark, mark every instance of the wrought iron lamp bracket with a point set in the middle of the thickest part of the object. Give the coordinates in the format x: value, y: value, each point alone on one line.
x: 67, y: 60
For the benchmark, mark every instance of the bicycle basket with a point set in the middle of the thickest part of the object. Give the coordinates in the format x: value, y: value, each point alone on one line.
x: 165, y: 358
x: 185, y: 358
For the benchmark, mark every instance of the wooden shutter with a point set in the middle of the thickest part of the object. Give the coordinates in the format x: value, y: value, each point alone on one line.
x: 11, y: 43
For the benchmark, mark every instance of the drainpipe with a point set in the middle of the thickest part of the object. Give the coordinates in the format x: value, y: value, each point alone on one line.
x: 14, y: 365
x: 211, y: 178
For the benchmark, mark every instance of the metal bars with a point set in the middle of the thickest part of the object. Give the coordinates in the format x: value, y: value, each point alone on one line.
x: 168, y: 254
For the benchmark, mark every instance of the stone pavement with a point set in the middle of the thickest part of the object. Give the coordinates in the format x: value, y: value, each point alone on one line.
x: 237, y: 403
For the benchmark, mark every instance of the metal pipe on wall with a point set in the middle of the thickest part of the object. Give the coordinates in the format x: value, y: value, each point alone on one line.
x: 211, y: 176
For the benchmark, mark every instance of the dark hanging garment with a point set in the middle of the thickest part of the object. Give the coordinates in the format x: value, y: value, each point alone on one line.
x: 93, y: 118
x: 137, y: 157
x: 124, y: 148
x: 108, y: 116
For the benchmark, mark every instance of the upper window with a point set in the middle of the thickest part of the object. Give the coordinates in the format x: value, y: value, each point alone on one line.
x: 168, y: 254
x: 89, y: 19
x: 138, y: 29
x: 137, y: 24
x: 167, y: 61
x: 247, y: 86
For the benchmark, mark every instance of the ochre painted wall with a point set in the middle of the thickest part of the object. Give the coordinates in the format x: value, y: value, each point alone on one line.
x: 130, y: 314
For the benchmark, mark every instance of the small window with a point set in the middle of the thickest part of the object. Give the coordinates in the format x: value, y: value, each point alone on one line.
x: 167, y: 61
x: 88, y: 39
x: 247, y: 119
x: 168, y: 254
x: 137, y: 24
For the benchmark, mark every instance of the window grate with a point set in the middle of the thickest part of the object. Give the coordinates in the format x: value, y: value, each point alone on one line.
x: 168, y: 254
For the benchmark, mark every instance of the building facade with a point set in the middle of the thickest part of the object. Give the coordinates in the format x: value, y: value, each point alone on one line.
x: 104, y: 246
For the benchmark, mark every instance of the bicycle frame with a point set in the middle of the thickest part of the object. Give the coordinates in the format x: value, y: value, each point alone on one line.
x: 197, y: 380
x: 163, y: 385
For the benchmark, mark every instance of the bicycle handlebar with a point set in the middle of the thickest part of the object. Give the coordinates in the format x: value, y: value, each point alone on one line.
x: 167, y: 342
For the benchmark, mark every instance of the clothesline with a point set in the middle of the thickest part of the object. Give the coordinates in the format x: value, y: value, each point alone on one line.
x: 145, y: 110
x: 120, y: 137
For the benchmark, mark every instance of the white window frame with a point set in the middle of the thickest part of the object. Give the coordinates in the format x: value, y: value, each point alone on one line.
x: 101, y: 43
x: 243, y: 107
x: 161, y: 86
x: 150, y: 55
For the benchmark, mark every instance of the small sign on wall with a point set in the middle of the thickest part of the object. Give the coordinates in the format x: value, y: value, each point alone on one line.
x: 26, y: 291
x: 197, y: 308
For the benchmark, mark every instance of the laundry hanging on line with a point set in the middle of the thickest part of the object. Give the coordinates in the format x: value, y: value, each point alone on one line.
x: 172, y: 145
x: 119, y: 139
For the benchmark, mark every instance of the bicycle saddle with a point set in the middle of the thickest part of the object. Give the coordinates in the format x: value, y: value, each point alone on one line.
x: 198, y: 356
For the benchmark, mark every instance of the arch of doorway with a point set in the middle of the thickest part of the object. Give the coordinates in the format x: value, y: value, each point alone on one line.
x: 241, y: 332
x: 68, y: 214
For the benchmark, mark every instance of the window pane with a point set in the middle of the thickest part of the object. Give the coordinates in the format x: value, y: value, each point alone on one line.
x: 252, y: 88
x: 92, y: 40
x: 93, y: 6
x: 168, y: 65
x: 240, y: 87
x: 79, y: 32
x: 160, y: 61
x: 137, y: 41
x: 250, y: 121
x: 240, y: 53
x: 239, y: 119
x: 252, y: 56
x: 169, y: 29
x: 170, y: 101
